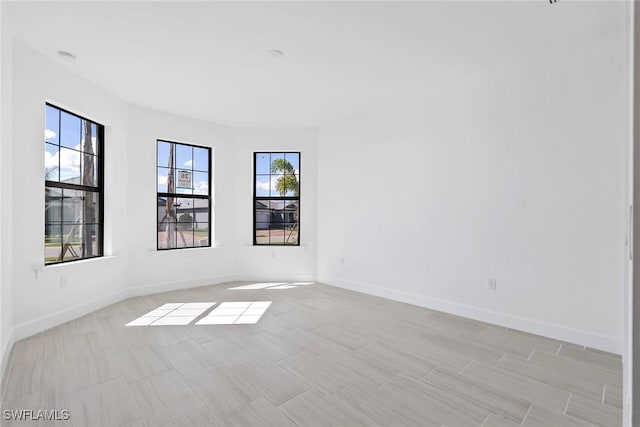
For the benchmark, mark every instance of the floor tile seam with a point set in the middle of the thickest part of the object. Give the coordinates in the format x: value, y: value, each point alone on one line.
x: 527, y: 413
x: 485, y: 420
x: 299, y: 377
x: 586, y: 364
x: 584, y: 392
x: 581, y: 365
x: 9, y: 370
x: 135, y: 404
x: 479, y: 403
x: 577, y: 376
x: 537, y: 382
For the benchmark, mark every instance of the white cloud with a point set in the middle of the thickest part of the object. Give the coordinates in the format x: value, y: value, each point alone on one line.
x: 69, y: 162
x: 188, y: 163
x: 270, y: 185
x: 201, y: 187
x: 263, y: 185
x: 49, y: 134
x: 162, y: 179
x: 50, y: 160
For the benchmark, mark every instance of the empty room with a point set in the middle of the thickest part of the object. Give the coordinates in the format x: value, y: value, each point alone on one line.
x: 322, y: 213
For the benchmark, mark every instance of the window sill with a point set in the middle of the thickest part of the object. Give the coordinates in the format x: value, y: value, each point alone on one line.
x: 180, y: 250
x: 251, y: 245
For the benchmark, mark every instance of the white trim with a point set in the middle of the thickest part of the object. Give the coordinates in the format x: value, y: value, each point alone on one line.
x: 6, y: 363
x: 275, y: 278
x: 551, y: 330
x: 49, y: 321
x: 43, y: 323
x: 172, y: 285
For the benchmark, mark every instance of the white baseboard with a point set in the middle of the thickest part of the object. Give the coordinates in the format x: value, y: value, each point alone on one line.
x: 555, y: 331
x: 49, y: 321
x: 43, y: 323
x: 6, y: 361
x: 275, y: 278
x: 174, y: 285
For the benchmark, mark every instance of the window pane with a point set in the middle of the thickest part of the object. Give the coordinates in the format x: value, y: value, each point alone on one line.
x: 167, y: 233
x: 51, y: 162
x: 184, y: 181
x: 162, y: 180
x: 278, y: 189
x: 201, y: 159
x: 183, y: 221
x: 263, y: 184
x: 87, y: 138
x: 71, y: 207
x: 277, y: 163
x: 200, y: 183
x: 201, y: 233
x: 291, y: 233
x: 172, y: 179
x: 52, y: 125
x: 184, y: 210
x: 52, y: 242
x: 167, y: 209
x: 52, y: 205
x: 89, y: 172
x: 262, y: 233
x: 95, y: 139
x: 185, y: 235
x: 80, y: 207
x: 263, y: 213
x: 163, y: 153
x: 91, y: 207
x: 184, y: 156
x: 263, y: 163
x: 96, y: 248
x: 201, y: 210
x: 70, y: 131
x: 287, y: 184
x: 72, y: 215
x: 294, y: 160
x: 69, y: 166
x: 277, y: 236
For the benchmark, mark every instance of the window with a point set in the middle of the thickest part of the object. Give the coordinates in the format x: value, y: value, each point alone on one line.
x: 73, y: 168
x: 276, y: 196
x: 184, y: 194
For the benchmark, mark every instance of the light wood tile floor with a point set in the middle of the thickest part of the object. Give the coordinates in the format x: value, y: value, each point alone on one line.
x: 318, y: 356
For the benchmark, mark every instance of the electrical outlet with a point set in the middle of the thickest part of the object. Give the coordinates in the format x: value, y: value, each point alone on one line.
x: 492, y: 284
x: 342, y: 261
x: 63, y: 282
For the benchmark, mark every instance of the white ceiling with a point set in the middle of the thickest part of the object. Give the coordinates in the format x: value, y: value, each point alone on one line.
x: 209, y: 60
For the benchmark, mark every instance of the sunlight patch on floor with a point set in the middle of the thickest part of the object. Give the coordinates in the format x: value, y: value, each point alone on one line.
x: 177, y: 313
x: 236, y: 313
x: 280, y: 285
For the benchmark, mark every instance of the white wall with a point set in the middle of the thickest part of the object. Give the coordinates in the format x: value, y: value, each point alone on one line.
x: 42, y: 297
x: 5, y: 190
x: 233, y: 256
x: 516, y: 174
x: 39, y: 300
x: 275, y: 263
x: 157, y: 270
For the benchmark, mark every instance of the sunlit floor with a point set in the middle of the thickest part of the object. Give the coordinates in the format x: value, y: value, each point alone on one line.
x: 278, y: 354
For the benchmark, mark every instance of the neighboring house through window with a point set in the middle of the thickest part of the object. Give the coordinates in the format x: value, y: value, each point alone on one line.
x: 73, y: 174
x: 184, y: 194
x: 276, y: 194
